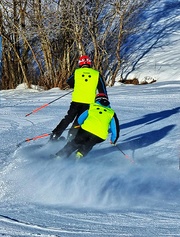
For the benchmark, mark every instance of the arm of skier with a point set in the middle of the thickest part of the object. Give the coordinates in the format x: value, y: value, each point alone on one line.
x: 82, y: 117
x: 70, y: 81
x: 115, y: 129
x: 101, y: 86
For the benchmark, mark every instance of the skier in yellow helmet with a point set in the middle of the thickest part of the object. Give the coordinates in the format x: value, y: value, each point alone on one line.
x: 95, y: 125
x: 86, y: 82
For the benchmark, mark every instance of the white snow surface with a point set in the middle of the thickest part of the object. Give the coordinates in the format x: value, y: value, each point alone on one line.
x: 132, y: 189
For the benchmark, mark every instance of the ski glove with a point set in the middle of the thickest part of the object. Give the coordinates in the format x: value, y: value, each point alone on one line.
x: 54, y: 136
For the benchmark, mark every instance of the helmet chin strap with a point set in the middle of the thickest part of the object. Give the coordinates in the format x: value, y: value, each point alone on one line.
x: 85, y: 65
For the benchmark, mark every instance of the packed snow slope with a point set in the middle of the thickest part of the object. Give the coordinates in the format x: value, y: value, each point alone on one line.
x: 132, y: 189
x: 106, y: 193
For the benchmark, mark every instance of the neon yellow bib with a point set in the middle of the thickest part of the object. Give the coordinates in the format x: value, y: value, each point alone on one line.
x: 85, y: 85
x: 98, y: 120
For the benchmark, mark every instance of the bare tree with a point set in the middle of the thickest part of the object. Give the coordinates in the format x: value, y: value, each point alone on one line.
x: 42, y: 39
x: 13, y: 68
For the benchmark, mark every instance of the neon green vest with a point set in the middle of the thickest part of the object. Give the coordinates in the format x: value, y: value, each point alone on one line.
x: 98, y: 120
x: 85, y: 85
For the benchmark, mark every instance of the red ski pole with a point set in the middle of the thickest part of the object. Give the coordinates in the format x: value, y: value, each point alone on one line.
x: 45, y: 105
x: 33, y: 138
x: 126, y: 156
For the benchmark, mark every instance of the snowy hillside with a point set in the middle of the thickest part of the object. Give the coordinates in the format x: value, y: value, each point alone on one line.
x: 156, y: 53
x: 129, y: 190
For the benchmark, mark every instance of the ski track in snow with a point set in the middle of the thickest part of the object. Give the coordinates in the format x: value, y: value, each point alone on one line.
x: 89, y: 223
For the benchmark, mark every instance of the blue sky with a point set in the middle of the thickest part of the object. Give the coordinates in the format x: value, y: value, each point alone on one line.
x: 0, y: 53
x: 0, y: 47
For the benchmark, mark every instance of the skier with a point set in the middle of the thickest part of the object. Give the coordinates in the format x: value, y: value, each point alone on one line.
x: 95, y: 123
x: 85, y: 81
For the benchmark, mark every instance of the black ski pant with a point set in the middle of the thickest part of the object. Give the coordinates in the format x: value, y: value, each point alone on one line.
x: 75, y: 110
x: 83, y: 142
